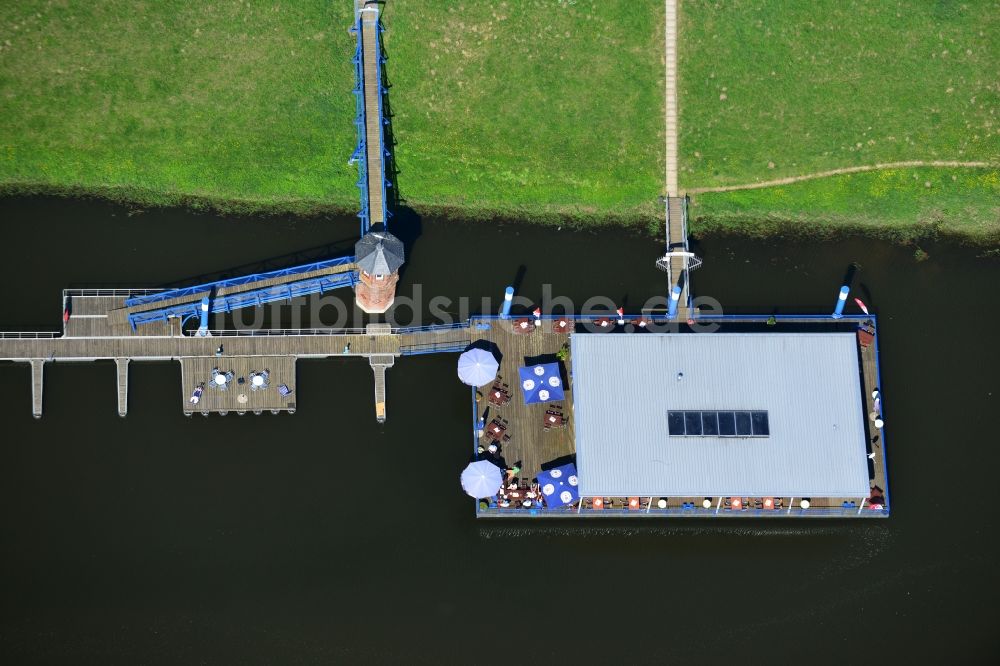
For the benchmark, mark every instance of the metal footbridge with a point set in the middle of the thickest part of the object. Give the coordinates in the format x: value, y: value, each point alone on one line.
x: 679, y: 260
x: 369, y: 92
x: 235, y: 293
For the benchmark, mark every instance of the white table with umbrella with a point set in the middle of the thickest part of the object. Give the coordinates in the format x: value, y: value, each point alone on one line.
x: 482, y: 479
x: 477, y: 367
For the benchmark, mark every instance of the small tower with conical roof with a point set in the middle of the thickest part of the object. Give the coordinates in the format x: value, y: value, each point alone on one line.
x: 379, y: 255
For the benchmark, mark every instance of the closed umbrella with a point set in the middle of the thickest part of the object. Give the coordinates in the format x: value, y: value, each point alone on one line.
x: 482, y: 479
x: 477, y: 367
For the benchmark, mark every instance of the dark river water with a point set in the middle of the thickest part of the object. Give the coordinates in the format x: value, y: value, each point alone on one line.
x: 324, y: 537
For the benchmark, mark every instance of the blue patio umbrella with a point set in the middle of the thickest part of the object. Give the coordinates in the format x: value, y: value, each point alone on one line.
x: 541, y: 383
x: 482, y: 479
x: 559, y: 485
x: 477, y: 367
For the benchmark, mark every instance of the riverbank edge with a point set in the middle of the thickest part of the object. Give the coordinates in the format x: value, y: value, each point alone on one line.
x: 647, y: 218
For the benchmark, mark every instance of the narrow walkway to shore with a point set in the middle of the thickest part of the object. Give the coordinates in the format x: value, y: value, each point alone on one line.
x: 670, y: 50
x: 839, y: 172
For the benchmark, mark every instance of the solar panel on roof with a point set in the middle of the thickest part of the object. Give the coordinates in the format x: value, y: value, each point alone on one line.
x: 718, y: 424
x: 727, y: 424
x: 709, y: 423
x: 692, y: 423
x: 675, y: 423
x: 758, y: 420
x: 743, y: 427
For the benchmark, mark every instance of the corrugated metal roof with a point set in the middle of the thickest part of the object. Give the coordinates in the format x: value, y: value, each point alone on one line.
x: 624, y: 385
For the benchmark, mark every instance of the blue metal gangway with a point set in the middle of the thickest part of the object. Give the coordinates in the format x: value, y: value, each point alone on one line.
x: 244, y: 291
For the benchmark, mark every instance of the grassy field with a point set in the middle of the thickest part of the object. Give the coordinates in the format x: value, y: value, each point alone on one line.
x: 529, y: 104
x: 901, y: 204
x: 774, y: 89
x: 248, y: 104
x: 163, y: 100
x: 545, y: 110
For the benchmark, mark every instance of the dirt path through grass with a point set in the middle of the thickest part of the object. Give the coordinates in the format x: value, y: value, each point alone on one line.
x: 840, y: 172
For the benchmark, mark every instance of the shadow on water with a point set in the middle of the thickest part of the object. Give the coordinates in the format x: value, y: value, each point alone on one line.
x: 404, y: 222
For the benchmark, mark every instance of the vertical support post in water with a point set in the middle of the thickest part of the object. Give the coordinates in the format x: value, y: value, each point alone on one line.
x: 838, y: 311
x: 675, y: 297
x: 37, y: 373
x: 508, y: 300
x: 380, y: 363
x: 121, y: 365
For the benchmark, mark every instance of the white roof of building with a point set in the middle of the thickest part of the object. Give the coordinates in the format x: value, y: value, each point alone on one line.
x: 809, y: 383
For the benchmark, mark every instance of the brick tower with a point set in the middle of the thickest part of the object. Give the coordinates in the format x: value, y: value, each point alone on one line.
x: 379, y: 255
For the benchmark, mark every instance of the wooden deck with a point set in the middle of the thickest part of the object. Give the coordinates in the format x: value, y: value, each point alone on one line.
x: 534, y: 447
x: 529, y: 443
x: 88, y: 336
x: 373, y: 127
x: 238, y: 397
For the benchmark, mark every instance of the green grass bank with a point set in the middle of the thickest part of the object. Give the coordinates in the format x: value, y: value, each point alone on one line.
x: 777, y: 89
x: 543, y: 110
x: 246, y: 105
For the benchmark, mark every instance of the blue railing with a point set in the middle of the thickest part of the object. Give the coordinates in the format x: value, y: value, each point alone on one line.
x: 433, y: 327
x: 434, y: 348
x: 361, y: 152
x: 251, y: 298
x: 200, y: 289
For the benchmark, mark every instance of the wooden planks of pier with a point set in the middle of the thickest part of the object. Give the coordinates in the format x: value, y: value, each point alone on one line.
x: 373, y: 117
x: 238, y: 397
x: 121, y: 372
x: 88, y: 336
x: 37, y: 386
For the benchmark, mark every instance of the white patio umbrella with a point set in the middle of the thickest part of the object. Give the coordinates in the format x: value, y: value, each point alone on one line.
x: 482, y: 479
x: 477, y: 367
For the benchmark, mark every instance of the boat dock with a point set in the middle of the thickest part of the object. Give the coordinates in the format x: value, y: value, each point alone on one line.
x: 527, y: 440
x: 90, y: 334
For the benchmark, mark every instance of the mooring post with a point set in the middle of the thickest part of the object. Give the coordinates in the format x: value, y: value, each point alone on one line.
x: 838, y: 311
x: 37, y: 374
x: 121, y: 365
x: 203, y: 311
x: 675, y: 297
x: 508, y: 300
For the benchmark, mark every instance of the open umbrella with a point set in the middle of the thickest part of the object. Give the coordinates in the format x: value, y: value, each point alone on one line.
x: 482, y: 479
x: 477, y: 367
